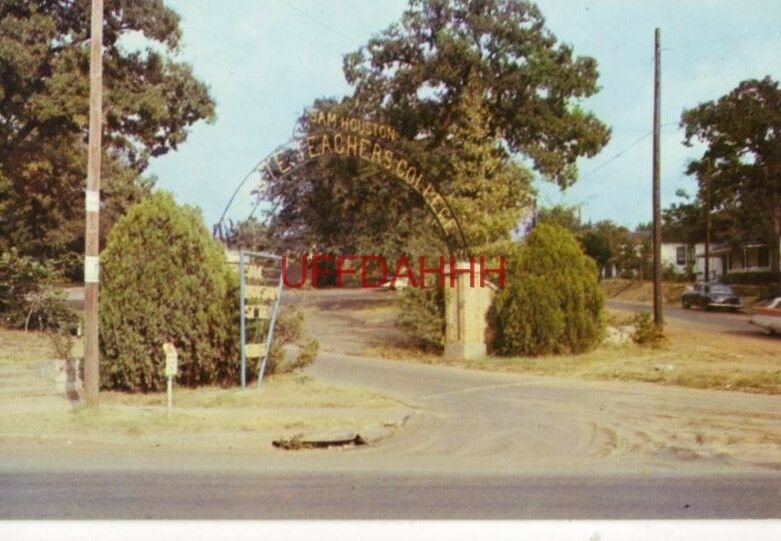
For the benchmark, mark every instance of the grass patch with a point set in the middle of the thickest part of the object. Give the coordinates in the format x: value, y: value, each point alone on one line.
x: 284, y: 391
x: 19, y: 347
x: 135, y: 422
x: 640, y: 290
x: 285, y: 402
x: 693, y: 359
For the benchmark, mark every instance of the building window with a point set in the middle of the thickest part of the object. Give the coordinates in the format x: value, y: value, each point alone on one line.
x: 680, y: 255
x: 736, y: 260
x: 763, y: 256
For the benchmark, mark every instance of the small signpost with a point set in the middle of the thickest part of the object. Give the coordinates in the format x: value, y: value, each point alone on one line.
x: 260, y: 293
x: 171, y: 369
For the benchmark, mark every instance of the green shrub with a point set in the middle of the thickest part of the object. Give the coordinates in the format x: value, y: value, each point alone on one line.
x: 164, y: 278
x: 30, y: 296
x: 526, y: 318
x: 552, y: 302
x: 422, y: 316
x: 647, y: 332
x: 289, y: 330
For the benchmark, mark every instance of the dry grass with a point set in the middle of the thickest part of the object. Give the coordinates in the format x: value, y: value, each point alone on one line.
x: 286, y: 402
x: 284, y: 391
x: 131, y: 421
x: 689, y: 359
x: 640, y: 290
x: 18, y: 347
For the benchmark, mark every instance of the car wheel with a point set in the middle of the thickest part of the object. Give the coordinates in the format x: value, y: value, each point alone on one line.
x: 685, y: 305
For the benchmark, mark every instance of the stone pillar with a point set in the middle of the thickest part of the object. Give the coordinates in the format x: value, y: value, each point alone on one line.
x: 465, y: 309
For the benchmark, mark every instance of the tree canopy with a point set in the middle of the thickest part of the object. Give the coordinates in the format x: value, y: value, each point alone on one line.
x: 473, y: 89
x: 742, y: 159
x: 150, y: 100
x: 418, y: 70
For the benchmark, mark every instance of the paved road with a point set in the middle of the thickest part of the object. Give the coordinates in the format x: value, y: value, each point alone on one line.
x: 372, y: 496
x: 508, y: 423
x: 727, y: 322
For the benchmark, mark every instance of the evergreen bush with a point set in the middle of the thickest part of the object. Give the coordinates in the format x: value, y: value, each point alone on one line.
x: 422, y: 316
x: 647, y: 332
x: 164, y: 278
x: 552, y: 302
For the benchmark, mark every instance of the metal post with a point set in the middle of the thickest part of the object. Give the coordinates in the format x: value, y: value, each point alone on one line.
x: 242, y: 325
x: 270, y: 334
x: 170, y: 395
x: 92, y: 204
x: 657, y: 230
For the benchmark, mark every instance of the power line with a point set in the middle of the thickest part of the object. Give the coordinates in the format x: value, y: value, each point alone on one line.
x: 620, y: 153
x: 626, y: 149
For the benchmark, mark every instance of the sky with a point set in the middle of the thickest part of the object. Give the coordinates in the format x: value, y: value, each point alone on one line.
x: 265, y: 61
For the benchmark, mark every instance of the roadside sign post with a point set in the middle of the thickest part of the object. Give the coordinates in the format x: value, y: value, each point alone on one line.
x: 260, y: 292
x: 171, y: 369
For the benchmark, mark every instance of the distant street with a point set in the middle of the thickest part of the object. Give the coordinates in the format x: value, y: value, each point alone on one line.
x: 727, y: 322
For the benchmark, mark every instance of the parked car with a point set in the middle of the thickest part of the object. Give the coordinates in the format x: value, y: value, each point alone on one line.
x: 709, y: 295
x: 767, y: 314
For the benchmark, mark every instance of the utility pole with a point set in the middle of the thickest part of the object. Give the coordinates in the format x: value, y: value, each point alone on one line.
x: 657, y: 230
x: 92, y: 206
x: 706, y: 179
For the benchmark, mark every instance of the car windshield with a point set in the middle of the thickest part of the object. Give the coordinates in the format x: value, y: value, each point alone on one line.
x: 720, y: 289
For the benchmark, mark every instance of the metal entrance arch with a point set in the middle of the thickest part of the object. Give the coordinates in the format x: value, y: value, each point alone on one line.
x: 298, y: 152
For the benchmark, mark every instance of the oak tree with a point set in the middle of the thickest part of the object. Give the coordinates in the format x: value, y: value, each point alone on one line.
x: 150, y: 100
x: 418, y: 70
x: 742, y: 160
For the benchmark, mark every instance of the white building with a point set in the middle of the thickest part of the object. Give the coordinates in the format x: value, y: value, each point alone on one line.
x: 724, y: 259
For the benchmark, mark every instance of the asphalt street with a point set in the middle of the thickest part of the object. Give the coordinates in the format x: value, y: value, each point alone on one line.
x: 718, y: 321
x: 139, y: 495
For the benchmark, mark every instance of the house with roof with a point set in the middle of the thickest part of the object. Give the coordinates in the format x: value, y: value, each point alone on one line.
x: 725, y: 259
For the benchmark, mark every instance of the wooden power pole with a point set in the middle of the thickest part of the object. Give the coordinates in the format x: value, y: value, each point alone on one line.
x: 706, y: 179
x: 657, y: 230
x: 92, y: 204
